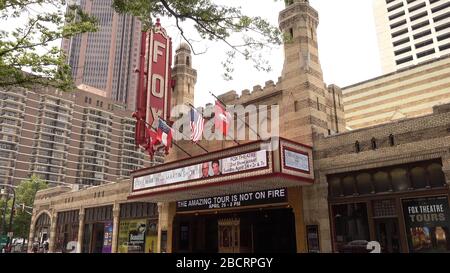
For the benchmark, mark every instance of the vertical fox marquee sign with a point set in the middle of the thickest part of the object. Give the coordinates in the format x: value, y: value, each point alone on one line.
x: 154, y: 87
x: 159, y: 82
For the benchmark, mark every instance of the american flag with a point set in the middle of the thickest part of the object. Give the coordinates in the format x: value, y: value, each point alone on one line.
x: 197, y: 124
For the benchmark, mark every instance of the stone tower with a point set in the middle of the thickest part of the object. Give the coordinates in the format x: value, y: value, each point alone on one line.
x: 184, y: 75
x: 185, y: 78
x: 310, y: 108
x: 305, y: 95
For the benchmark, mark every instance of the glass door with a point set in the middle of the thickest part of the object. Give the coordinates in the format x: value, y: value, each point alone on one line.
x: 387, y: 234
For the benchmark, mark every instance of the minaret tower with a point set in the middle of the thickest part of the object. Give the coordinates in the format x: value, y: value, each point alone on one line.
x: 304, y: 91
x: 184, y: 75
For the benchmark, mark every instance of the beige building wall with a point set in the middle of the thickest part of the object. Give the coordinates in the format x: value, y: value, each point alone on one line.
x: 411, y: 32
x: 403, y: 94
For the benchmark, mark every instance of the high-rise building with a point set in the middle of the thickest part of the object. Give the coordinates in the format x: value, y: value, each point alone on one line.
x: 411, y: 31
x: 105, y: 60
x: 66, y: 137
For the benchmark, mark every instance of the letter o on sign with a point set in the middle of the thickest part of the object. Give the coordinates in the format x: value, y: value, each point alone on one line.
x: 158, y: 93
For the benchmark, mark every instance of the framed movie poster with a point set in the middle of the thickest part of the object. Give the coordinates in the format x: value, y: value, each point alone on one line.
x: 427, y: 222
x: 312, y: 236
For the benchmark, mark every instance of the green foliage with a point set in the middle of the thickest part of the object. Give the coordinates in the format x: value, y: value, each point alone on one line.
x: 212, y: 22
x: 27, y: 47
x: 25, y: 194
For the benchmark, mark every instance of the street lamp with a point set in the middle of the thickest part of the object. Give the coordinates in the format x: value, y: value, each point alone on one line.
x: 3, y: 192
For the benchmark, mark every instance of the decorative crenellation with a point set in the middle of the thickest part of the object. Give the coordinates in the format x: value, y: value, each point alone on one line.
x: 232, y: 98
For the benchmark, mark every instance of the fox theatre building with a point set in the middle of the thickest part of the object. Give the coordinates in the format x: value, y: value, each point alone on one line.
x: 230, y: 201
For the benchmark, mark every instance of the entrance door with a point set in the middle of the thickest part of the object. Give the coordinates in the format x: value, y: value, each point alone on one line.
x: 229, y: 235
x: 388, y: 235
x: 98, y: 237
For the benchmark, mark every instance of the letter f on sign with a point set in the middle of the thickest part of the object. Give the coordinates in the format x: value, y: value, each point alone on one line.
x: 156, y: 50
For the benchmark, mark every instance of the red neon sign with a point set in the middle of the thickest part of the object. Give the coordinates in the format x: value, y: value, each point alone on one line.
x: 155, y: 82
x: 159, y: 76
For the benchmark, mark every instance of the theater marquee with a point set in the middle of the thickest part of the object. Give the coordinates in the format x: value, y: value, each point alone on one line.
x: 250, y: 167
x: 229, y: 165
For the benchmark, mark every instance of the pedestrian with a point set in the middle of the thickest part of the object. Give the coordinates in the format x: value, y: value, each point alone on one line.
x: 45, y: 246
x: 35, y: 247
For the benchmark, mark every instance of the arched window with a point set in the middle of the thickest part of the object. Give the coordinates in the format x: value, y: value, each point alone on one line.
x: 419, y: 178
x: 348, y: 184
x: 436, y: 175
x: 391, y: 140
x: 381, y: 181
x: 357, y: 147
x: 400, y: 180
x: 334, y: 185
x: 364, y: 183
x: 374, y: 143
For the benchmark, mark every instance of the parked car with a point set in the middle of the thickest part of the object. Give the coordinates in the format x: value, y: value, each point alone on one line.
x: 357, y: 246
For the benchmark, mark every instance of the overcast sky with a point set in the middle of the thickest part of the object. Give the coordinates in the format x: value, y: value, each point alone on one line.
x: 348, y: 49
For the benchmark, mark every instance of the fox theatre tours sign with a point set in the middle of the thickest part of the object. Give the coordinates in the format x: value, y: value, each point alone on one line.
x: 427, y: 222
x: 155, y: 83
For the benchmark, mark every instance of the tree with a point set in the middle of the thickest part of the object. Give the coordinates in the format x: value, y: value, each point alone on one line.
x: 27, y: 47
x: 212, y: 22
x: 26, y: 57
x: 25, y: 194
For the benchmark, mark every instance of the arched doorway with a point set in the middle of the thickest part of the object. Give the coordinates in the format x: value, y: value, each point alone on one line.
x: 42, y: 231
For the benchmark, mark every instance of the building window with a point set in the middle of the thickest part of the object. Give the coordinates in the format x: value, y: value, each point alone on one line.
x: 188, y: 61
x: 351, y: 224
x: 318, y: 104
x: 295, y: 106
x: 374, y: 144
x: 357, y: 147
x: 391, y: 140
x: 184, y: 236
x: 85, y: 99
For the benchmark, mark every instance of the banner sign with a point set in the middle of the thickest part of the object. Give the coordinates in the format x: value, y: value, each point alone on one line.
x: 107, y: 239
x: 234, y: 200
x: 159, y: 81
x: 296, y: 160
x: 131, y: 237
x: 229, y: 165
x: 427, y: 222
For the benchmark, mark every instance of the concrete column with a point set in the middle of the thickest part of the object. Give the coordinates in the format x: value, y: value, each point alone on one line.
x: 115, y: 234
x: 171, y: 210
x: 446, y: 167
x: 52, y: 240
x: 32, y: 231
x: 158, y: 241
x: 166, y: 214
x: 295, y: 200
x: 80, y: 230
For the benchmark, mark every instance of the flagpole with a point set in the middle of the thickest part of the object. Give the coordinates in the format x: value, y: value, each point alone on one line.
x: 151, y: 126
x: 235, y: 141
x: 186, y: 136
x: 223, y: 104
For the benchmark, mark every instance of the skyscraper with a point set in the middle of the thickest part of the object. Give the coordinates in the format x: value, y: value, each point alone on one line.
x: 104, y: 62
x: 411, y: 31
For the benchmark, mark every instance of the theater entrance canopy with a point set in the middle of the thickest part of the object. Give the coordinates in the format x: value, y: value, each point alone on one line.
x: 255, y: 166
